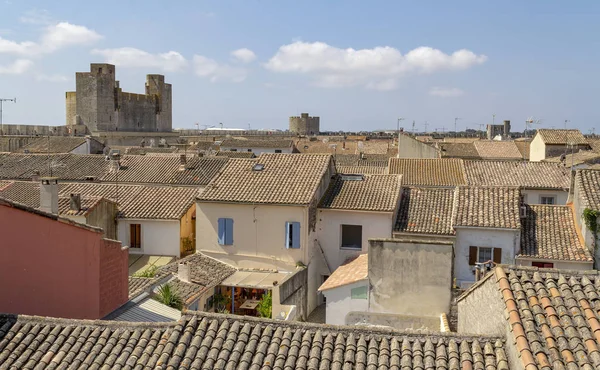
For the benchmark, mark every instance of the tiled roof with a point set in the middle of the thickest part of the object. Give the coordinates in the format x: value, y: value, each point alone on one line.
x: 214, y: 341
x: 449, y: 139
x: 58, y: 144
x: 135, y: 201
x: 577, y: 158
x: 198, y: 171
x: 382, y: 147
x: 555, y: 137
x: 490, y: 149
x: 372, y: 193
x: 458, y: 150
x: 429, y: 172
x: 552, y: 316
x: 142, y: 169
x: 523, y: 146
x: 87, y: 205
x: 235, y: 154
x: 587, y: 183
x: 372, y: 170
x: 251, y: 143
x: 138, y: 150
x: 64, y: 166
x: 377, y: 160
x: 284, y: 179
x: 425, y: 211
x: 496, y: 207
x: 352, y: 271
x: 512, y: 173
x: 549, y: 232
x: 139, y: 285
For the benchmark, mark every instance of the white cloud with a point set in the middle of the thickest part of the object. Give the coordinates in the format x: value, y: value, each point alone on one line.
x: 378, y: 68
x: 55, y: 37
x: 211, y: 69
x: 36, y: 16
x: 171, y: 61
x: 18, y: 67
x: 51, y: 78
x: 244, y: 55
x: 446, y: 92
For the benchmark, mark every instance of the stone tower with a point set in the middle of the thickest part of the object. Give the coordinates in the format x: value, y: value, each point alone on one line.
x: 305, y: 125
x: 100, y: 104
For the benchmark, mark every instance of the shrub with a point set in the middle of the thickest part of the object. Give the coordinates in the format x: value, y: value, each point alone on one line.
x: 167, y: 295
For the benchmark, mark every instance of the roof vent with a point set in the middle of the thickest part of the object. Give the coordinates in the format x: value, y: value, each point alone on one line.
x: 90, y: 178
x: 258, y: 167
x: 353, y: 177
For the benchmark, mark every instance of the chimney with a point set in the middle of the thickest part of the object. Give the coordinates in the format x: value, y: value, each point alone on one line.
x: 75, y: 202
x: 36, y: 176
x: 49, y: 194
x: 183, y: 272
x: 182, y: 162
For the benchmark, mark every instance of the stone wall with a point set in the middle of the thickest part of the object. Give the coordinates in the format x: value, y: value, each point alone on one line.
x: 305, y: 125
x: 293, y: 292
x: 398, y: 322
x: 480, y: 309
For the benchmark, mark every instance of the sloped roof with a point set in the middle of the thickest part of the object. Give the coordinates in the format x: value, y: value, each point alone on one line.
x: 558, y: 137
x: 17, y: 166
x: 198, y: 171
x: 213, y: 341
x: 138, y: 150
x: 539, y: 175
x: 458, y: 150
x: 352, y: 271
x: 253, y: 143
x: 284, y: 179
x: 587, y: 183
x: 58, y: 144
x: 428, y: 172
x: 372, y: 193
x: 523, y: 146
x: 350, y: 146
x: 496, y: 207
x: 425, y: 211
x: 576, y: 158
x: 552, y: 316
x: 490, y: 149
x: 371, y: 170
x: 549, y: 232
x: 235, y: 154
x: 377, y: 160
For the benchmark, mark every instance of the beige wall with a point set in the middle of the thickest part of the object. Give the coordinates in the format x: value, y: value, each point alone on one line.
x: 557, y: 264
x: 258, y: 230
x: 329, y: 231
x: 186, y: 229
x: 537, y: 149
x: 411, y: 148
x: 534, y: 196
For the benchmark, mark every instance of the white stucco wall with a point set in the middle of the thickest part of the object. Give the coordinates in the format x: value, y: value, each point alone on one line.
x: 507, y: 239
x: 158, y: 237
x: 533, y: 196
x: 558, y: 264
x: 329, y: 231
x: 340, y: 303
x: 256, y: 151
x: 412, y: 148
x: 537, y: 149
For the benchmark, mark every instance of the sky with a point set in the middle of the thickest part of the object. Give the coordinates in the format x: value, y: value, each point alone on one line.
x: 359, y: 65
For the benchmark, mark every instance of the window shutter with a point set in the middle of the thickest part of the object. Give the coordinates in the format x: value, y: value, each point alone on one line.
x: 221, y: 231
x: 472, y: 255
x: 229, y: 231
x: 287, y: 235
x: 296, y: 235
x: 498, y: 255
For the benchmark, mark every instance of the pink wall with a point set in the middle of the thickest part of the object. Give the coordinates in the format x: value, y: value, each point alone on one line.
x: 114, y: 285
x: 51, y: 268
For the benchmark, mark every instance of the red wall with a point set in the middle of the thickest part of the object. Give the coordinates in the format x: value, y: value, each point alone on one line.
x: 114, y: 285
x: 50, y: 268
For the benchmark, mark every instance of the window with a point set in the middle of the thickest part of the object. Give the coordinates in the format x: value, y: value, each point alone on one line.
x: 484, y: 254
x: 292, y: 235
x: 277, y: 150
x: 352, y: 237
x: 225, y: 231
x: 249, y: 150
x: 547, y: 199
x: 233, y: 150
x: 542, y: 264
x: 358, y: 293
x: 135, y: 236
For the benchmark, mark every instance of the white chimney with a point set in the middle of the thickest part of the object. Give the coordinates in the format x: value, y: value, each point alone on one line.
x: 49, y: 194
x: 183, y: 272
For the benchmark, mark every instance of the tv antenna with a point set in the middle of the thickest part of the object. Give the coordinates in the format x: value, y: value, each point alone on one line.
x: 531, y: 122
x: 2, y: 100
x: 455, y: 129
x: 566, y: 122
x: 426, y: 124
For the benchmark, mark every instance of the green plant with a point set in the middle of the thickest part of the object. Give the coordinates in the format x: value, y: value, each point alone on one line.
x: 590, y: 217
x: 150, y: 272
x: 167, y: 295
x: 188, y: 244
x: 265, y: 306
x: 221, y: 303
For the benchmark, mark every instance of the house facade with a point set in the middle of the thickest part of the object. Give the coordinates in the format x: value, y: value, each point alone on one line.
x: 552, y: 143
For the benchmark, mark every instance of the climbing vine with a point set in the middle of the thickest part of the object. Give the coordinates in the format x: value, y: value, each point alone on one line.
x: 590, y: 218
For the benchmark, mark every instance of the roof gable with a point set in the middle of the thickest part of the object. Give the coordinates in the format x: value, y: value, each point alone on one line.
x: 558, y: 137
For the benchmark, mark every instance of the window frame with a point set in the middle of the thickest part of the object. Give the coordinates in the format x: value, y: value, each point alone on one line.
x: 348, y: 246
x: 553, y: 197
x: 359, y: 293
x: 278, y: 151
x: 495, y: 252
x: 292, y: 235
x: 135, y: 242
x: 225, y: 231
x: 543, y: 264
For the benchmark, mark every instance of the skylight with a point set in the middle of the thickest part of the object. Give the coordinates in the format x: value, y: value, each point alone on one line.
x: 258, y: 167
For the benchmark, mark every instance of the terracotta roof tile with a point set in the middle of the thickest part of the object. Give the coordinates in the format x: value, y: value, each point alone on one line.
x: 197, y: 171
x: 587, y: 183
x: 496, y: 207
x: 253, y: 143
x: 213, y: 341
x: 429, y: 172
x: 523, y: 146
x: 549, y: 232
x: 557, y: 137
x: 512, y: 173
x: 58, y: 144
x: 376, y: 160
x: 425, y: 211
x: 363, y: 192
x: 138, y: 150
x: 351, y: 146
x: 235, y: 154
x: 458, y: 150
x: 371, y: 170
x: 284, y: 179
x: 352, y: 271
x: 490, y: 149
x: 553, y: 316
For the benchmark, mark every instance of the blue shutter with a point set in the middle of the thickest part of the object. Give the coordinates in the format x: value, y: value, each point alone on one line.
x: 221, y: 231
x: 296, y: 235
x: 287, y: 235
x: 229, y: 231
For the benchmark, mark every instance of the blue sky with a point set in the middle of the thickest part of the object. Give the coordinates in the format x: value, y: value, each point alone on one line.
x: 357, y: 64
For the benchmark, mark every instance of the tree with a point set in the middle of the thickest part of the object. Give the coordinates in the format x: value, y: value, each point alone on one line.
x: 168, y: 296
x: 265, y: 306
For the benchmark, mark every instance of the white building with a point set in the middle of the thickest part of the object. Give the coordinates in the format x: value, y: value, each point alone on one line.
x: 552, y: 143
x: 258, y: 146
